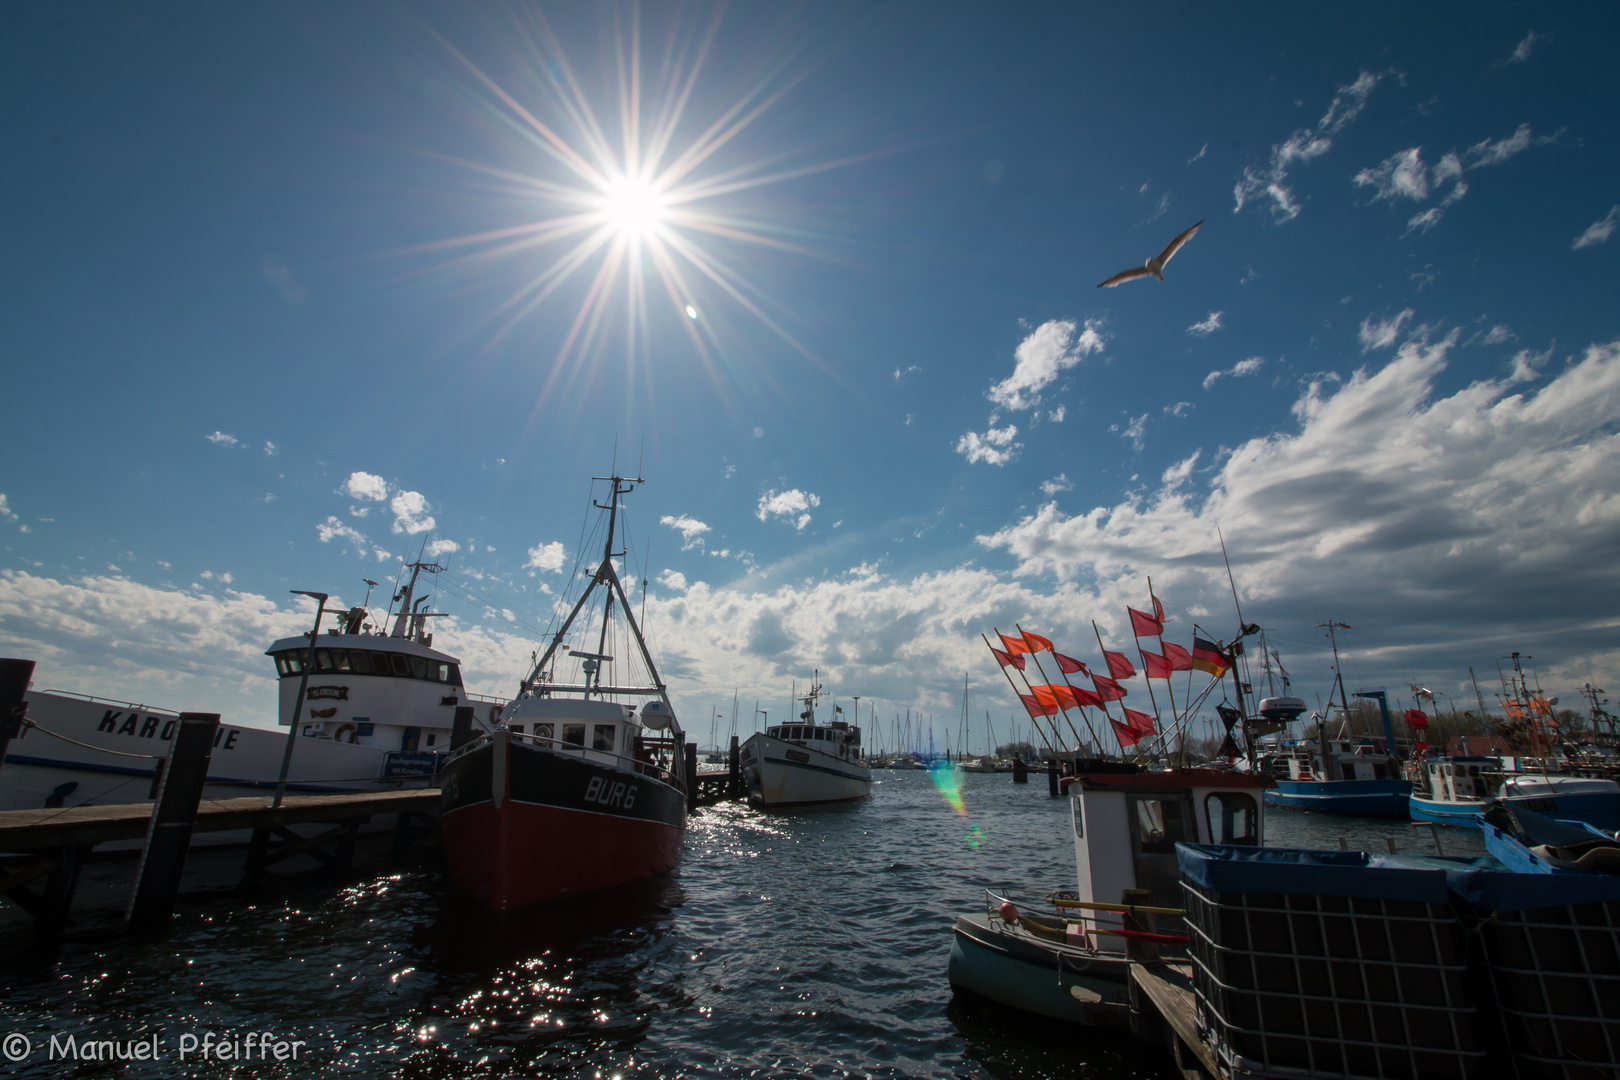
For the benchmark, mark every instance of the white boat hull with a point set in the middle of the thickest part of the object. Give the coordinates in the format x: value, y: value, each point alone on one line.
x: 780, y: 773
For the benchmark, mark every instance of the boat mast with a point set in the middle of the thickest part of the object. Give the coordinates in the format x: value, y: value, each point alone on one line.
x: 402, y: 621
x: 608, y: 578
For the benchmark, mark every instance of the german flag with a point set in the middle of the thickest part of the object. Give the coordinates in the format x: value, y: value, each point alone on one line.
x: 1207, y: 656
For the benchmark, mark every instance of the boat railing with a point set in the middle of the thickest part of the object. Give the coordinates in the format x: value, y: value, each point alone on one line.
x: 110, y: 701
x: 1073, y: 919
x: 625, y: 762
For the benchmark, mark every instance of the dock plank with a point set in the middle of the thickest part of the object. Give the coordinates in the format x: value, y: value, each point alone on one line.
x: 32, y: 830
x: 1169, y: 988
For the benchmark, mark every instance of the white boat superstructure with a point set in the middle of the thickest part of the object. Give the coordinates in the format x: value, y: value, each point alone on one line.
x: 805, y: 763
x: 378, y: 712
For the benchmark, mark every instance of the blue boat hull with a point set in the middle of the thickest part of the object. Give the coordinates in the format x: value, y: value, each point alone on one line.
x: 1375, y: 798
x: 1599, y: 809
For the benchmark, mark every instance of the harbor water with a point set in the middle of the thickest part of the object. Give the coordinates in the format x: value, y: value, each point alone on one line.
x: 809, y: 943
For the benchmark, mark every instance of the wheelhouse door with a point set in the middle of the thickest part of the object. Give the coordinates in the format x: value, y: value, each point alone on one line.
x: 1159, y: 820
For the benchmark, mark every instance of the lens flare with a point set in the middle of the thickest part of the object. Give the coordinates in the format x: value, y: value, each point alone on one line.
x: 948, y: 780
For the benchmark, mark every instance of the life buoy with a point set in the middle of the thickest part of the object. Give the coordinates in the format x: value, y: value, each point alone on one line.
x: 345, y: 733
x: 495, y: 714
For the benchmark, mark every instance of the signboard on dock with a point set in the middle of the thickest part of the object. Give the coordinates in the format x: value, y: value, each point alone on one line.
x: 409, y: 764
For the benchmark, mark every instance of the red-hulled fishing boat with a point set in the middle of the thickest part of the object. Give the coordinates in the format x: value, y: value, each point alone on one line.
x: 576, y: 790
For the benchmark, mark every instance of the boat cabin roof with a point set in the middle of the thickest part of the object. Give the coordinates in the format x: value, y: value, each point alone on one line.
x: 1169, y: 778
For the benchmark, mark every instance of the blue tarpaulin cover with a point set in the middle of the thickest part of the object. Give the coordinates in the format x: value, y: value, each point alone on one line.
x: 1302, y: 871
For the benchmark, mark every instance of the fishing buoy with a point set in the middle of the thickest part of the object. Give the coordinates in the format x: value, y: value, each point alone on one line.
x: 1009, y: 914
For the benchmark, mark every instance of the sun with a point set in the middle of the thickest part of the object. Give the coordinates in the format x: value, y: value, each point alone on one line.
x: 633, y: 207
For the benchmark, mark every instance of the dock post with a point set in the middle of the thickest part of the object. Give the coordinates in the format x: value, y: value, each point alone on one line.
x: 1139, y: 950
x: 1052, y: 777
x: 168, y: 835
x: 691, y: 777
x: 1020, y: 771
x: 734, y: 786
x: 14, y: 678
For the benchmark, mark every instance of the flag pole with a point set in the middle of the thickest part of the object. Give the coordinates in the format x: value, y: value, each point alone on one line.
x: 1147, y: 678
x: 1169, y: 676
x: 1106, y: 713
x: 1033, y: 722
x: 1047, y: 680
x: 1083, y: 714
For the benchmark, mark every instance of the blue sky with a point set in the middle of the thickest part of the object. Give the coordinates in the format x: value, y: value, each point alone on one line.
x: 246, y: 294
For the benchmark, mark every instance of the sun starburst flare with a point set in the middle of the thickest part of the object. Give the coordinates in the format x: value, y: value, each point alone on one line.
x: 646, y: 216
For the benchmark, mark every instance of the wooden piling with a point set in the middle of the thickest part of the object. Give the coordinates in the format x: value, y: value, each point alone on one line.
x: 14, y: 678
x: 691, y: 777
x: 1052, y: 777
x: 1020, y: 771
x: 1139, y: 950
x: 174, y: 814
x: 734, y: 766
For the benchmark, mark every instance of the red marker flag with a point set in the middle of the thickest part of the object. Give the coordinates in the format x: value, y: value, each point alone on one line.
x: 1158, y: 609
x: 1085, y: 697
x: 1416, y: 718
x: 1126, y: 736
x: 1141, y: 722
x: 1119, y: 665
x: 1016, y: 646
x: 1207, y: 656
x: 1155, y: 666
x: 1053, y: 697
x: 1034, y: 707
x: 1180, y: 659
x: 1068, y: 664
x: 1036, y: 643
x: 1107, y: 688
x: 1004, y: 660
x: 1145, y: 625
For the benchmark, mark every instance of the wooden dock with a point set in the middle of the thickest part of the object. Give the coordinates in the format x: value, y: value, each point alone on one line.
x: 1161, y: 996
x: 51, y: 844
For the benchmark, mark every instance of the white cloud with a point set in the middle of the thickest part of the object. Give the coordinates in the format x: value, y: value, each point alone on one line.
x: 1057, y: 414
x: 1182, y: 408
x: 1238, y: 370
x: 1049, y: 349
x: 792, y: 505
x: 435, y: 548
x: 673, y: 580
x: 690, y: 528
x: 1521, y: 52
x: 271, y: 449
x: 335, y: 528
x: 411, y: 513
x: 1392, y: 503
x: 1207, y: 326
x: 994, y: 447
x: 899, y: 373
x: 1498, y: 334
x: 547, y: 558
x: 1381, y: 333
x: 1202, y: 150
x: 219, y: 438
x: 1404, y: 176
x: 1303, y: 146
x: 1178, y: 473
x: 1599, y: 231
x: 1060, y: 482
x: 1527, y: 366
x: 277, y: 274
x: 364, y: 485
x: 6, y: 513
x: 1134, y: 431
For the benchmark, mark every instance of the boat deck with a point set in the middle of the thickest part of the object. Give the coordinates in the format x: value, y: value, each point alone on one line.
x: 1168, y: 989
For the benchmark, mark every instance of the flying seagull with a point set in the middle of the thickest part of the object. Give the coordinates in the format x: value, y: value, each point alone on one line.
x: 1155, y: 265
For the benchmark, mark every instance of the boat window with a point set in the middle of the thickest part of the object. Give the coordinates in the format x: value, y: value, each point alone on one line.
x: 442, y: 672
x: 602, y: 738
x: 1233, y: 818
x: 573, y: 734
x: 295, y: 662
x: 340, y: 657
x: 400, y: 666
x: 1079, y: 818
x: 542, y: 731
x: 418, y: 667
x: 323, y: 659
x: 379, y: 663
x: 281, y: 664
x: 1159, y: 823
x: 1473, y: 770
x: 819, y: 733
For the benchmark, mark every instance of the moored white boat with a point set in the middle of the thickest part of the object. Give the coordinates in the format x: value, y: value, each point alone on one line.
x: 806, y: 763
x: 377, y: 715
